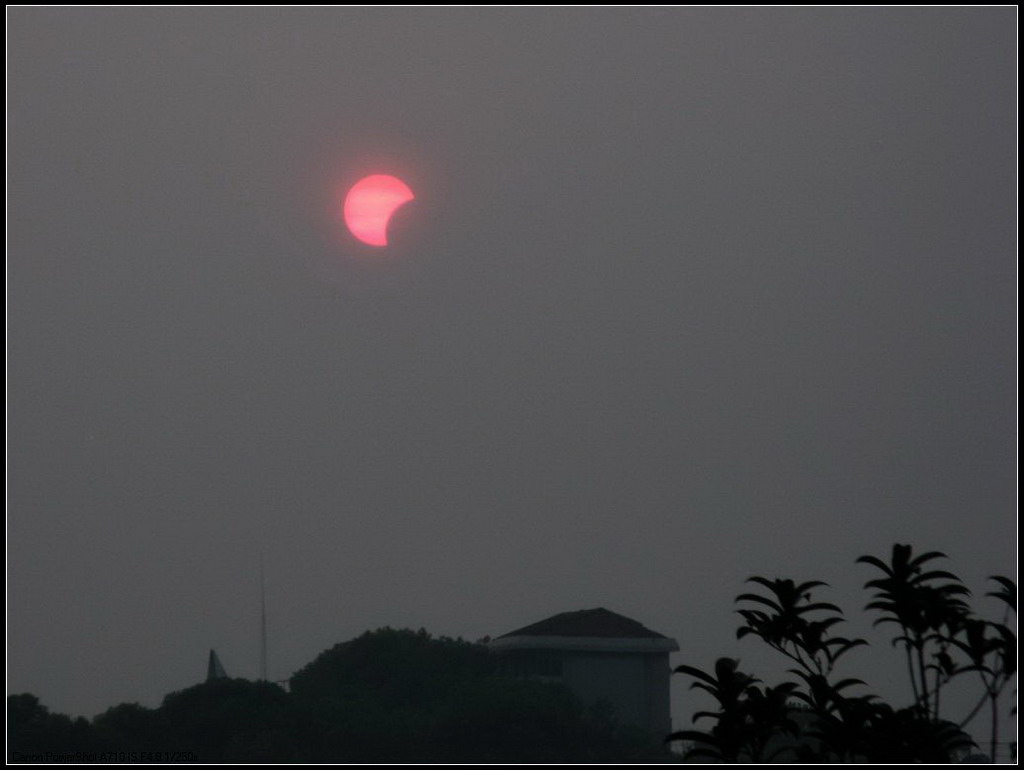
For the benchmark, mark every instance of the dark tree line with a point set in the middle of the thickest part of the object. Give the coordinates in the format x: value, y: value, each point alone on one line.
x: 386, y: 696
x: 819, y: 717
x: 404, y: 696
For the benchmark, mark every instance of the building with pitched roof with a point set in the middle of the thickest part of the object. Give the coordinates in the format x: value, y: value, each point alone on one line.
x: 601, y: 656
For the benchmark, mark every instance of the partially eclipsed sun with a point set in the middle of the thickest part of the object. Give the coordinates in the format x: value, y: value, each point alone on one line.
x: 370, y: 204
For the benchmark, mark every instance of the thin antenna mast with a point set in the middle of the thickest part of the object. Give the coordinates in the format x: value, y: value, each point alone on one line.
x: 263, y: 623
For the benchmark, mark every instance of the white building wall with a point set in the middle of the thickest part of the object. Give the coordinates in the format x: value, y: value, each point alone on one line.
x: 636, y: 686
x: 631, y: 674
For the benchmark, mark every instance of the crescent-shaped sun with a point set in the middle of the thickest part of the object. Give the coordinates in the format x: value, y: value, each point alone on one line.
x: 370, y: 204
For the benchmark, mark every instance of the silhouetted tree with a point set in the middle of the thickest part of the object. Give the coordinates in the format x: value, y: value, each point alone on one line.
x: 747, y: 720
x: 787, y: 624
x: 129, y: 727
x: 400, y: 667
x: 992, y: 651
x: 941, y: 639
x: 230, y: 720
x: 386, y: 696
x: 34, y: 734
x: 404, y: 696
x: 928, y: 608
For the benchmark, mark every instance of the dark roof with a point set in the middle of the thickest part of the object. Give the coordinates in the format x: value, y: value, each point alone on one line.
x: 594, y: 623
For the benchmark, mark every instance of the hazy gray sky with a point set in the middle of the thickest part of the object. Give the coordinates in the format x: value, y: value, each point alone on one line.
x: 686, y: 295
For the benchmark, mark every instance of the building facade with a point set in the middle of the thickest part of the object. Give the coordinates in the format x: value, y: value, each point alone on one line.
x: 601, y: 656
